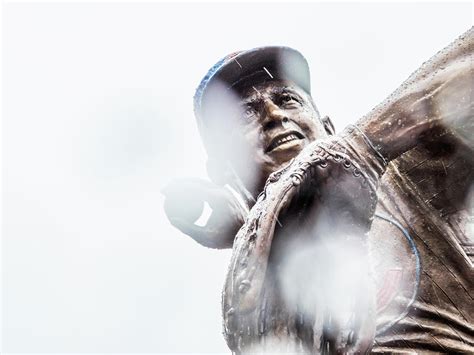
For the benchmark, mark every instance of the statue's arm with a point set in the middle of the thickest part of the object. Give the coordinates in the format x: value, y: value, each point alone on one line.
x: 434, y: 101
x: 210, y: 214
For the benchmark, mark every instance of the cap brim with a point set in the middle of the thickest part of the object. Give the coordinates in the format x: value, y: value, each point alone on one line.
x: 280, y: 63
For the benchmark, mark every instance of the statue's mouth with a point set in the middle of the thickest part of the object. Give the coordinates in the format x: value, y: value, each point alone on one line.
x: 284, y: 139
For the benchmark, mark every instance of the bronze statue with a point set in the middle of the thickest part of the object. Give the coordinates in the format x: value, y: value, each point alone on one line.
x: 342, y: 243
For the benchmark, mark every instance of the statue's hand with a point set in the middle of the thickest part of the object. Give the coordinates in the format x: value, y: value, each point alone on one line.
x: 185, y: 205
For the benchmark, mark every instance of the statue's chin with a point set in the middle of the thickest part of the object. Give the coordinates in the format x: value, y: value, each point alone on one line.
x: 283, y: 154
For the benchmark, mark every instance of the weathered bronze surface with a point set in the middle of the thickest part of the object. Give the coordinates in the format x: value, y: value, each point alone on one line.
x: 392, y: 194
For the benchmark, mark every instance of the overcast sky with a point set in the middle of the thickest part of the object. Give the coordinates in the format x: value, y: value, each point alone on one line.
x: 97, y: 117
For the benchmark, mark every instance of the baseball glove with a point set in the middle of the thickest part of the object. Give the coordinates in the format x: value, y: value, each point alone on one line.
x: 328, y: 192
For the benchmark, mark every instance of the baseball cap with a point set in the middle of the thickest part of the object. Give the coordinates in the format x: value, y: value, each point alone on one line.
x: 242, y: 68
x: 255, y: 65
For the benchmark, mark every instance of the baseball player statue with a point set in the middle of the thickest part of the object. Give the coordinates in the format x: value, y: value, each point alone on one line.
x: 354, y: 242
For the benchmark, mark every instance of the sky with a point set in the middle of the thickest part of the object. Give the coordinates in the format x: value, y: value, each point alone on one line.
x: 98, y: 118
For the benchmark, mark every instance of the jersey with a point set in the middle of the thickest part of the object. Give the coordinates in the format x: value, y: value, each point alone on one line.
x: 422, y: 250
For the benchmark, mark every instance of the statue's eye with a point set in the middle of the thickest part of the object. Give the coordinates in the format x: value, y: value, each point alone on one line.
x: 288, y: 99
x: 248, y: 111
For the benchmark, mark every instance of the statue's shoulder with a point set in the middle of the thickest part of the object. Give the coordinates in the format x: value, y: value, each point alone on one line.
x: 430, y: 188
x: 439, y: 172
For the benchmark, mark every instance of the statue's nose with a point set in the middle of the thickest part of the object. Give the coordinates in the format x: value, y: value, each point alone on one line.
x: 274, y: 115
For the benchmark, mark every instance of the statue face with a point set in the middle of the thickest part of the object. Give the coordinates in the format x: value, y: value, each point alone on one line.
x: 278, y: 121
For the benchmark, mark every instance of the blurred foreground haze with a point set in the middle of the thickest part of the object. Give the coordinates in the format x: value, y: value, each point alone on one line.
x: 98, y: 117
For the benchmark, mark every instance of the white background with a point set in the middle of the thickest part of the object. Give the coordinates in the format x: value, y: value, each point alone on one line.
x: 97, y: 117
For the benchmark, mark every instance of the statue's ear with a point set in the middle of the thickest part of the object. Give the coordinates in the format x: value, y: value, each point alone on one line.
x: 328, y: 126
